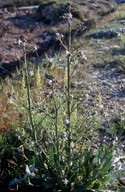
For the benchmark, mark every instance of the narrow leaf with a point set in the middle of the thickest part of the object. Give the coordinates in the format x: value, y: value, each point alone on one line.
x: 106, y: 165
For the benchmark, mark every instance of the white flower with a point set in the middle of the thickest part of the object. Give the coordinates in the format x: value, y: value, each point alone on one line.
x: 66, y: 122
x: 19, y: 42
x: 65, y: 181
x: 49, y: 82
x: 11, y: 100
x: 67, y: 53
x: 57, y: 34
x: 32, y: 110
x: 82, y: 56
x: 31, y: 143
x: 31, y: 73
x: 35, y: 48
x: 20, y: 149
x: 69, y: 15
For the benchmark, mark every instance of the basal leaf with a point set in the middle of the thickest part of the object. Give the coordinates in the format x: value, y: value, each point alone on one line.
x: 106, y: 178
x: 106, y: 165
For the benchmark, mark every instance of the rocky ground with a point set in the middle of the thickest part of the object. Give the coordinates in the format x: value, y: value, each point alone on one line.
x: 15, y: 22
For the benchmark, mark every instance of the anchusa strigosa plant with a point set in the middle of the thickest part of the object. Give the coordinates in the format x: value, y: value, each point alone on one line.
x: 51, y: 149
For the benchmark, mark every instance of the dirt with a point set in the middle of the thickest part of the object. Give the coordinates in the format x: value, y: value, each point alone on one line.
x: 15, y: 23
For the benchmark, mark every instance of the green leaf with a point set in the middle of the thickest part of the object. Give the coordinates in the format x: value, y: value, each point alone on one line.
x: 96, y: 184
x: 52, y: 158
x: 107, y: 178
x: 106, y: 165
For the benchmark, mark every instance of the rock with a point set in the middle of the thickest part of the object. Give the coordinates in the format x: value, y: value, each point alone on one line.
x: 120, y: 1
x: 108, y: 34
x: 7, y: 68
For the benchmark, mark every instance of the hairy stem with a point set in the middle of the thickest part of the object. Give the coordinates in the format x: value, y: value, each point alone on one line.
x: 28, y: 94
x: 68, y: 90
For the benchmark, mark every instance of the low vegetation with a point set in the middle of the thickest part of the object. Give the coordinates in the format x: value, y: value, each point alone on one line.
x: 49, y: 140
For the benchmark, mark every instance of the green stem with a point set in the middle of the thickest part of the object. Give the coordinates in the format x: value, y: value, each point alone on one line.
x: 68, y: 91
x: 28, y: 95
x: 56, y: 132
x: 57, y: 138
